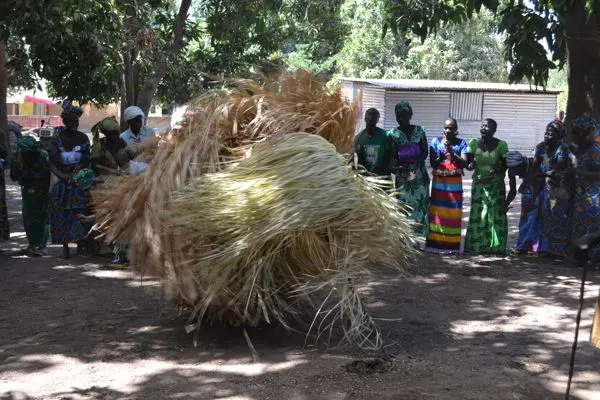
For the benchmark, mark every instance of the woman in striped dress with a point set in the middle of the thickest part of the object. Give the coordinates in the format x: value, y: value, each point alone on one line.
x: 448, y: 157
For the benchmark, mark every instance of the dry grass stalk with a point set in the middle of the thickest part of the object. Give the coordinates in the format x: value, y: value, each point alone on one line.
x: 292, y: 219
x: 138, y: 209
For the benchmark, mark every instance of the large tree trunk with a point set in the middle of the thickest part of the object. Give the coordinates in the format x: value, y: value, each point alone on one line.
x: 4, y: 147
x: 146, y: 94
x: 583, y: 58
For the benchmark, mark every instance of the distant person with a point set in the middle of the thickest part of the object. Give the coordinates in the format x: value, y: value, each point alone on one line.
x: 533, y: 200
x: 31, y: 168
x: 69, y: 152
x: 138, y: 130
x: 448, y: 157
x: 560, y: 116
x: 42, y: 123
x: 372, y: 145
x: 408, y: 160
x: 488, y: 225
x: 109, y: 153
x: 552, y: 155
x: 586, y: 196
x: 4, y: 226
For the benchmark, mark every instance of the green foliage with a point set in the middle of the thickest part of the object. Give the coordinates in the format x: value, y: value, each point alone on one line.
x: 467, y: 51
x: 67, y: 42
x: 558, y: 80
x: 524, y: 25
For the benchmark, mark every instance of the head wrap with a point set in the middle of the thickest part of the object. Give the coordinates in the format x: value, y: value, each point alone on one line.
x: 133, y: 112
x: 403, y: 106
x: 15, y: 128
x: 28, y: 143
x: 558, y: 126
x: 70, y: 110
x: 514, y: 159
x: 84, y: 178
x: 107, y: 125
x: 587, y: 124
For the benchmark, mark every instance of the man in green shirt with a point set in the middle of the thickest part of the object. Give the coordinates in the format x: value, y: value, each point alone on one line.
x: 373, y: 146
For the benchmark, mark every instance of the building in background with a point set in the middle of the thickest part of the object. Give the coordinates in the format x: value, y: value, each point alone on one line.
x: 522, y: 111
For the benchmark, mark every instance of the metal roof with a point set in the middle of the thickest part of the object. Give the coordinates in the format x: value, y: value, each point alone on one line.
x: 453, y: 86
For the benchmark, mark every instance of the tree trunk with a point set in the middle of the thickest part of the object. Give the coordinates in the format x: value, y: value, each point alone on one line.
x: 583, y: 59
x: 3, y: 95
x: 146, y: 94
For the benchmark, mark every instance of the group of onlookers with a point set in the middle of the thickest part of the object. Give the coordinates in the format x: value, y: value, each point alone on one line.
x: 560, y: 189
x: 56, y: 175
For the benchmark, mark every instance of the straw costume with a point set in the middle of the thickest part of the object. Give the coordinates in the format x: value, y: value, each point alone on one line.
x: 249, y: 209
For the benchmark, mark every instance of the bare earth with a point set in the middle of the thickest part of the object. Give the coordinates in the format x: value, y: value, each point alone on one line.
x: 458, y: 328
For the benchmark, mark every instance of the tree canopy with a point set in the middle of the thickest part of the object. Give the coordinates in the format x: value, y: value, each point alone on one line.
x: 539, y: 36
x: 467, y: 51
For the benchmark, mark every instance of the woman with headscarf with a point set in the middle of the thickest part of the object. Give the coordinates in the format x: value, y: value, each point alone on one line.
x: 408, y: 161
x: 552, y: 156
x: 533, y: 199
x: 586, y: 197
x: 488, y: 225
x: 31, y: 168
x: 69, y: 151
x: 448, y: 157
x: 109, y: 153
x: 138, y: 130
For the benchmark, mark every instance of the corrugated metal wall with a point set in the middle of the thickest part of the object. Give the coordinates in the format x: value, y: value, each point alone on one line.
x: 521, y: 117
x: 430, y: 109
x: 466, y: 106
x: 348, y: 90
x: 372, y: 96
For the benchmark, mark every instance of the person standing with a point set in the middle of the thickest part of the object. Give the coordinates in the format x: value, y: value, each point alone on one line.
x: 373, y: 146
x: 586, y: 199
x: 4, y: 153
x: 31, y: 168
x: 108, y: 153
x: 69, y: 152
x: 409, y: 153
x: 448, y: 157
x: 533, y: 200
x: 552, y: 156
x: 488, y: 225
x: 138, y: 130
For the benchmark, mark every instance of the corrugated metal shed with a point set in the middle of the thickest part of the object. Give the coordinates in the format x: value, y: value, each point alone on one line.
x: 435, y: 85
x: 429, y: 109
x: 521, y: 112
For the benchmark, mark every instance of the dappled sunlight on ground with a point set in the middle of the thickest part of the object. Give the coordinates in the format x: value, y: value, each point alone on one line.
x: 457, y: 328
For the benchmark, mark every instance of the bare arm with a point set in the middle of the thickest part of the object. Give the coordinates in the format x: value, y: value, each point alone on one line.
x: 512, y: 193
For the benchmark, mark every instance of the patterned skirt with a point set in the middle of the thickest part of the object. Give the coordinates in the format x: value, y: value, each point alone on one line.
x: 530, y: 223
x: 445, y: 215
x: 67, y: 202
x: 586, y: 215
x: 555, y: 229
x: 415, y: 194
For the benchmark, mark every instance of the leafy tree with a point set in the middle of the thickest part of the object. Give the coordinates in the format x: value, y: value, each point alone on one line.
x: 467, y: 51
x: 55, y: 39
x: 569, y: 29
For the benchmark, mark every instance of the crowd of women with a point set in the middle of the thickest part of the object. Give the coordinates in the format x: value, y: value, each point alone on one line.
x: 560, y: 184
x: 560, y: 188
x: 56, y: 176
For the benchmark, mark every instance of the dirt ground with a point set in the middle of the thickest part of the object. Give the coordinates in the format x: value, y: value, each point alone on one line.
x: 457, y: 328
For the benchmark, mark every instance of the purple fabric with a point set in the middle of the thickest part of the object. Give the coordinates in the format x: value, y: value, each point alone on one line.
x: 409, y: 152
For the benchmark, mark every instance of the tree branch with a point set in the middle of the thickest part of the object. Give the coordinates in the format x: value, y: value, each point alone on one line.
x: 160, y: 69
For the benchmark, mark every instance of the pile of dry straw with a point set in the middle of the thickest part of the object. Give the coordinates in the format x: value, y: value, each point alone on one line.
x: 250, y: 209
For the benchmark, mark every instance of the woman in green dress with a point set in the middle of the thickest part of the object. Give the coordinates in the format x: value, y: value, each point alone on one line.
x: 488, y: 225
x: 409, y: 152
x: 31, y: 168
